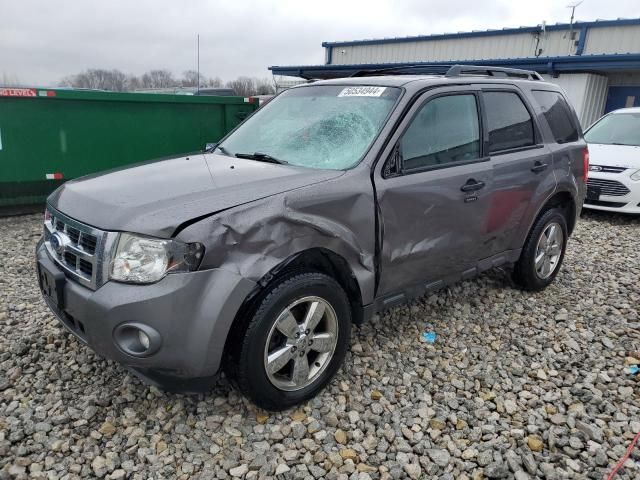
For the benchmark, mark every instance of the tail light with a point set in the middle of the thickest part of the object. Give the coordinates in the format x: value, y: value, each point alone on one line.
x: 585, y: 164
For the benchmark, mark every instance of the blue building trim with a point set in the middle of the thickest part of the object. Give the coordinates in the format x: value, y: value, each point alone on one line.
x: 488, y: 33
x: 551, y: 65
x: 584, y: 31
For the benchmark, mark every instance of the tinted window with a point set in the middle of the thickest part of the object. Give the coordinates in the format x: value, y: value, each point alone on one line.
x: 509, y: 122
x: 445, y: 130
x: 558, y: 116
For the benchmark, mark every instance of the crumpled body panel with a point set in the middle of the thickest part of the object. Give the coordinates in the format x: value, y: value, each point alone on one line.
x: 254, y: 238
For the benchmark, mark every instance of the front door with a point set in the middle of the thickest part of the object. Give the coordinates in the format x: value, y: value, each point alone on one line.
x: 433, y: 203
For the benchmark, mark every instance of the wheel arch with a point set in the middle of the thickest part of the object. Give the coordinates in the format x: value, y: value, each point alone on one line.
x: 565, y: 201
x: 315, y: 259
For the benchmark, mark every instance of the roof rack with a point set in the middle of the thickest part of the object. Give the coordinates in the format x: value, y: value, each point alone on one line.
x: 422, y: 69
x: 460, y: 70
x: 450, y: 71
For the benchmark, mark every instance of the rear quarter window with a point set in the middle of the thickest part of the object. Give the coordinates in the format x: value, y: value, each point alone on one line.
x: 509, y: 123
x: 558, y: 115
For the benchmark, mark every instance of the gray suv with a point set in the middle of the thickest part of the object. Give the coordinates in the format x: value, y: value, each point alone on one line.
x: 337, y: 199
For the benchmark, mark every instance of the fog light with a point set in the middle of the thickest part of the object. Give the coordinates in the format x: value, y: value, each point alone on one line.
x: 144, y: 339
x: 137, y: 339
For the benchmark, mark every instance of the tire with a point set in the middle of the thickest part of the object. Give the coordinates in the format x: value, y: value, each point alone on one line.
x: 281, y: 387
x: 528, y: 275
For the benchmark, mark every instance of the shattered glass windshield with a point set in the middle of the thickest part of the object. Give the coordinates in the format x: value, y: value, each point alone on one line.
x: 324, y: 126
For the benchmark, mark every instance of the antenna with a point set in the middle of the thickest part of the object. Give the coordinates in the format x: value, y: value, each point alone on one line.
x: 573, y: 7
x: 198, y: 85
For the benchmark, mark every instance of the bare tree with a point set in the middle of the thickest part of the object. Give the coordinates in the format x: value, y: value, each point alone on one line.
x: 97, y: 79
x: 133, y: 83
x: 158, y: 79
x: 115, y: 80
x: 243, y: 86
x: 190, y: 79
x: 264, y: 86
x: 215, y: 82
x: 9, y: 80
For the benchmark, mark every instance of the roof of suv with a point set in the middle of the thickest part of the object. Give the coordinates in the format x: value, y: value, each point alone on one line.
x: 400, y: 80
x: 420, y: 75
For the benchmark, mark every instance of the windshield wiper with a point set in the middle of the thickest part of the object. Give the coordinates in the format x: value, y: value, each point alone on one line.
x: 261, y: 157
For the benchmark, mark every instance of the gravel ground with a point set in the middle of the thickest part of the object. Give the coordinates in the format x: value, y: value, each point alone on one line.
x: 516, y: 385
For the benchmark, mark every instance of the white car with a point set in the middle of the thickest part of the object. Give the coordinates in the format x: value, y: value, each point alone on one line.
x: 614, y: 162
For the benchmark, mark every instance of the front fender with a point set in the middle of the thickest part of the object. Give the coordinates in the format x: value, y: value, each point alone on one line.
x: 254, y: 238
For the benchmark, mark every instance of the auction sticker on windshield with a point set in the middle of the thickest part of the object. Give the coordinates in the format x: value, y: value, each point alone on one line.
x: 362, y: 92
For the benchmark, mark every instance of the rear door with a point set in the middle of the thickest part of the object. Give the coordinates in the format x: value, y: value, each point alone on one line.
x: 522, y: 166
x: 434, y: 191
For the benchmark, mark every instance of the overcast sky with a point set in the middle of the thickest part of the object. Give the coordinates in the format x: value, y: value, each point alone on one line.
x: 41, y: 41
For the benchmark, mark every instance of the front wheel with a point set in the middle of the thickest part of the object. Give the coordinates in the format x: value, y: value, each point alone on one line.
x: 543, y: 251
x: 295, y: 341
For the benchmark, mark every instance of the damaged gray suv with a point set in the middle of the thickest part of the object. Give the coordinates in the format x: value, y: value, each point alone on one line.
x: 337, y: 199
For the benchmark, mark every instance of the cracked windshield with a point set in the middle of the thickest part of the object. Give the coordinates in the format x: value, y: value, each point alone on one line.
x: 328, y: 127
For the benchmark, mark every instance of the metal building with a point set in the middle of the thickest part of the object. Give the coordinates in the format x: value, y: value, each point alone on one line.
x: 597, y: 63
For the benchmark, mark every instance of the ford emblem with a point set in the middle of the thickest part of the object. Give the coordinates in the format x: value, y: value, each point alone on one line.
x: 595, y: 168
x: 57, y: 243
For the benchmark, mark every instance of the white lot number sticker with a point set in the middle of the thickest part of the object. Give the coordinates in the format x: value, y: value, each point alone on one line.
x: 362, y: 92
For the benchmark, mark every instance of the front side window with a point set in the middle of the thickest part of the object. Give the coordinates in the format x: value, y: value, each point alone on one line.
x: 444, y: 131
x: 323, y: 126
x: 616, y: 129
x: 558, y: 115
x: 509, y: 123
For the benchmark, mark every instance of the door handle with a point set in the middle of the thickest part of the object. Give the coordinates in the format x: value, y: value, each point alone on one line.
x: 539, y: 166
x: 471, y: 185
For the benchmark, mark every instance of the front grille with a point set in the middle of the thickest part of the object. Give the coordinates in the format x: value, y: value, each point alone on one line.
x: 602, y: 203
x: 76, y: 248
x: 607, y: 169
x: 608, y: 187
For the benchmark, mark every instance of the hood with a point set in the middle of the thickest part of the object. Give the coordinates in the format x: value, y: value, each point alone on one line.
x: 155, y: 198
x: 614, y: 155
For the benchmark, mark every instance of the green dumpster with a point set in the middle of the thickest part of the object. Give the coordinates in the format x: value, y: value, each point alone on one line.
x: 48, y: 136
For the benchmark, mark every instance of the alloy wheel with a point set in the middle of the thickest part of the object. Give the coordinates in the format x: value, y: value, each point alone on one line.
x: 301, y: 343
x: 549, y: 250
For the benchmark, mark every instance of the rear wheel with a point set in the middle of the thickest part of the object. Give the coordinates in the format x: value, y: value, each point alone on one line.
x: 295, y: 341
x: 543, y: 251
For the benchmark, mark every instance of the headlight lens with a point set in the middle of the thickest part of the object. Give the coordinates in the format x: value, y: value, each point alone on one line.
x: 140, y: 259
x: 636, y: 176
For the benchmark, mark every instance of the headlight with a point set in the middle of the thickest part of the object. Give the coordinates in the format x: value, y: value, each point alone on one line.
x: 636, y: 176
x: 139, y: 259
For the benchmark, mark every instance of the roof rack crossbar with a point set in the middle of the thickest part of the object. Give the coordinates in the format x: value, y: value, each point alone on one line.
x: 460, y: 70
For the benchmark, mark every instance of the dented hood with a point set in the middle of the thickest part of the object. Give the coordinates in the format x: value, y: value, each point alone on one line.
x: 155, y: 198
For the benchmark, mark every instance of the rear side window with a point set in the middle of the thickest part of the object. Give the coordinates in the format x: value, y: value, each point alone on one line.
x: 445, y: 131
x: 508, y: 121
x: 558, y: 115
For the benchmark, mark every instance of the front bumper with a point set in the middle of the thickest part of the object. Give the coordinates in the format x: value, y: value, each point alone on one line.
x: 629, y: 203
x: 192, y: 312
